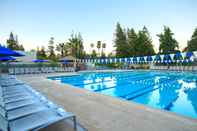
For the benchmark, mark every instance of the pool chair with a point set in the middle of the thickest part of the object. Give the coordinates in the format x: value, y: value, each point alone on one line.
x: 43, y: 70
x: 30, y: 70
x: 63, y: 69
x: 194, y: 68
x: 184, y: 68
x: 16, y: 71
x: 55, y: 69
x: 58, y: 69
x: 11, y: 71
x: 177, y: 68
x: 49, y: 69
x: 73, y: 69
x: 22, y: 70
x: 37, y: 70
x: 11, y: 82
x: 190, y: 68
x: 37, y: 120
x: 31, y: 115
x: 26, y: 71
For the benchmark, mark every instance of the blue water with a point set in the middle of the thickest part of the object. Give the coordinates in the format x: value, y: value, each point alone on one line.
x: 172, y: 91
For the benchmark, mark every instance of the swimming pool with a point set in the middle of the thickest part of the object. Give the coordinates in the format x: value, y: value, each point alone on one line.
x: 172, y: 91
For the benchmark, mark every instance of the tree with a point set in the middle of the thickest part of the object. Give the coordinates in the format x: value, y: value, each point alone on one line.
x: 132, y: 38
x: 93, y: 55
x: 168, y: 44
x: 11, y: 43
x: 75, y: 46
x: 37, y: 53
x: 20, y: 47
x: 192, y: 43
x: 61, y: 47
x: 145, y: 41
x: 103, y: 49
x: 120, y: 42
x: 98, y: 45
x: 51, y: 55
x: 41, y: 53
x: 92, y: 45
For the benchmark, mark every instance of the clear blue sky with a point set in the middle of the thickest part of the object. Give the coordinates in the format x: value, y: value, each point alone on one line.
x: 35, y: 21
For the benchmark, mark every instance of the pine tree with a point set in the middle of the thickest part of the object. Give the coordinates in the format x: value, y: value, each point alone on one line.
x: 41, y: 53
x: 168, y: 44
x: 121, y: 42
x: 38, y: 53
x: 192, y: 43
x: 148, y: 47
x: 51, y: 55
x: 11, y: 43
x: 132, y: 41
x: 19, y: 47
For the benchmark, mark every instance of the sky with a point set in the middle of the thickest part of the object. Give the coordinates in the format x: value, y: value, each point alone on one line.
x: 35, y: 21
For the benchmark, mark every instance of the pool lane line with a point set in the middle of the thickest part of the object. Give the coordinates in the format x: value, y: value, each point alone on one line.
x: 141, y: 89
x: 130, y: 76
x: 108, y: 76
x: 151, y: 90
x: 123, y: 83
x: 112, y: 75
x: 123, y: 78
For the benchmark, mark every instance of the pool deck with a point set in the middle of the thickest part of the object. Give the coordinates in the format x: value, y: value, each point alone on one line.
x: 97, y: 112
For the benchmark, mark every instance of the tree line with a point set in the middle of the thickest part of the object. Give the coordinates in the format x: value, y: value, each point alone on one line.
x: 127, y: 42
x: 73, y: 47
x: 13, y: 43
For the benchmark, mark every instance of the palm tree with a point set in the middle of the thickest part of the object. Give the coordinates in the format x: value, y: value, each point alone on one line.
x: 75, y: 45
x: 103, y: 48
x: 98, y: 47
x: 61, y: 48
x: 92, y: 45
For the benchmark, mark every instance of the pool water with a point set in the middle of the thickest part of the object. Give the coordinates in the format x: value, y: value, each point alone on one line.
x: 172, y: 91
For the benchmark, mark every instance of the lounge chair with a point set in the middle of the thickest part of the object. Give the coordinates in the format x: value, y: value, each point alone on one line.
x: 33, y: 117
x: 30, y: 114
x: 11, y: 71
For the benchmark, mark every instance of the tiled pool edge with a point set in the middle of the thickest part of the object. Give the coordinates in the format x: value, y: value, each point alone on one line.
x: 106, y: 100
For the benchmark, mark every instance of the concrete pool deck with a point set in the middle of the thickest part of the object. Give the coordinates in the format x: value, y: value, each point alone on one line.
x: 97, y: 112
